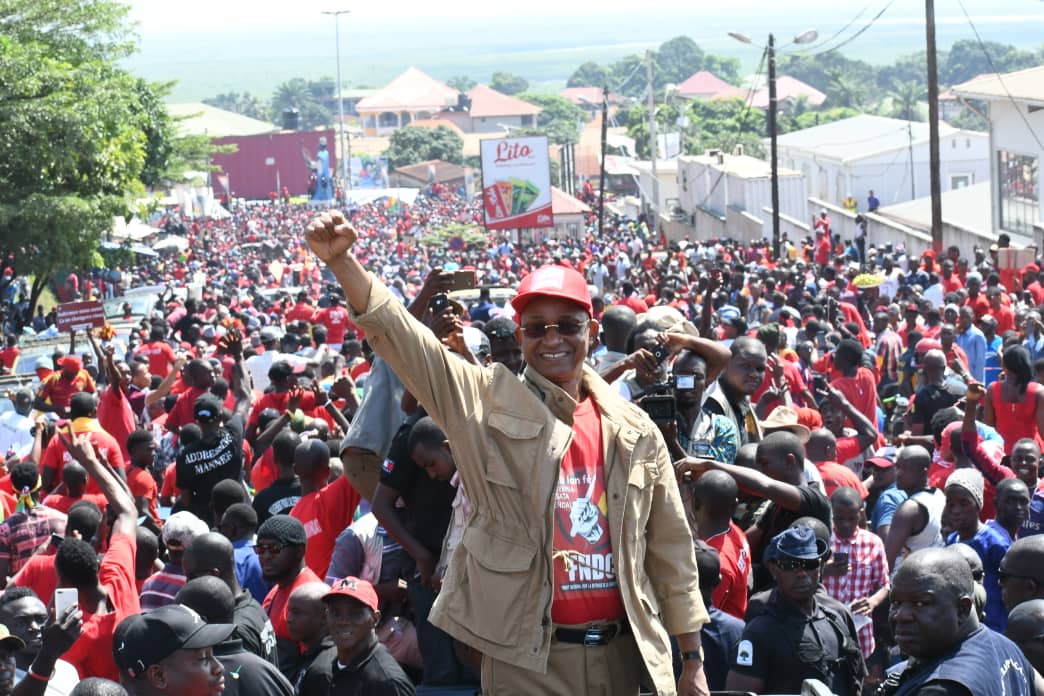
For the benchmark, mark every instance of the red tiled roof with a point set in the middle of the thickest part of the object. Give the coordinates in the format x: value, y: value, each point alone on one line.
x: 435, y: 122
x: 413, y: 90
x: 704, y: 84
x: 564, y: 204
x: 486, y: 102
x: 789, y: 88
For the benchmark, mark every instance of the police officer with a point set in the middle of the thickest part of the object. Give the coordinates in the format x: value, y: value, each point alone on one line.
x: 797, y: 637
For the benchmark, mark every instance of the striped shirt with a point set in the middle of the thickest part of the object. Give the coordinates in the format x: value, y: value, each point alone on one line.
x: 161, y: 588
x: 24, y: 533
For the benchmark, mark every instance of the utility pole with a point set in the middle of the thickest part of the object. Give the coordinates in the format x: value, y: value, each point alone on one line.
x: 773, y: 107
x: 653, y: 146
x: 601, y: 173
x: 933, y: 129
x: 913, y: 178
x: 345, y: 150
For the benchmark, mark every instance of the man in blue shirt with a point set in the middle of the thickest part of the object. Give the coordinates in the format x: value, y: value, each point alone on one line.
x: 888, y: 496
x: 972, y: 342
x: 1034, y: 342
x: 994, y: 343
x: 872, y: 203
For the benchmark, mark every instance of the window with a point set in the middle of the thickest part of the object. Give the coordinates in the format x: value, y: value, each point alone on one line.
x: 1018, y: 192
x: 958, y: 181
x: 388, y: 119
x: 527, y: 121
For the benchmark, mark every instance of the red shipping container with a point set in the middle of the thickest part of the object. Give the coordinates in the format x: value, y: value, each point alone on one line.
x: 263, y: 164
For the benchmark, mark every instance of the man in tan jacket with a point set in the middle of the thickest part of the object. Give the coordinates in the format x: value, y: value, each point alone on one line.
x: 577, y: 562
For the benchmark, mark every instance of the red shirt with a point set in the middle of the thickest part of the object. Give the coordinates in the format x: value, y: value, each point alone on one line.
x: 91, y: 654
x: 183, y: 412
x: 734, y: 555
x: 280, y: 401
x: 55, y: 455
x: 325, y: 513
x: 264, y: 471
x: 39, y: 574
x: 861, y: 392
x: 62, y: 503
x: 8, y: 357
x: 277, y: 599
x: 169, y: 487
x: 981, y: 305
x: 1005, y: 319
x: 160, y: 355
x: 795, y: 383
x: 335, y: 319
x: 635, y: 303
x: 302, y: 311
x: 952, y: 284
x: 836, y: 476
x: 586, y: 588
x: 58, y: 388
x: 142, y: 485
x: 823, y: 248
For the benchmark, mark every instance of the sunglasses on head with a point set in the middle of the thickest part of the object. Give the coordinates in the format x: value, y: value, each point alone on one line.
x: 565, y: 327
x: 789, y: 565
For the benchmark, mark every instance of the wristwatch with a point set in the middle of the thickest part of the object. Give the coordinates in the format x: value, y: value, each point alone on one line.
x: 692, y: 655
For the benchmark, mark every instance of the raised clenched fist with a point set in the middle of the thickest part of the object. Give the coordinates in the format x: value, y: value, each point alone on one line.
x: 330, y: 236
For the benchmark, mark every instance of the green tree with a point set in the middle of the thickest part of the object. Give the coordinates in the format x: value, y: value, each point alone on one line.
x: 246, y: 104
x: 906, y: 98
x: 676, y: 61
x: 75, y: 131
x: 302, y: 95
x: 627, y: 76
x: 844, y: 89
x: 506, y: 83
x: 414, y: 144
x: 966, y: 60
x: 461, y: 83
x: 969, y: 119
x: 559, y: 119
x: 589, y: 74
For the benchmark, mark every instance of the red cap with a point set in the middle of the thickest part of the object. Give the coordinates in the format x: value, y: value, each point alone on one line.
x: 71, y: 362
x: 879, y: 462
x: 553, y: 281
x: 357, y: 589
x: 927, y: 344
x: 1031, y: 268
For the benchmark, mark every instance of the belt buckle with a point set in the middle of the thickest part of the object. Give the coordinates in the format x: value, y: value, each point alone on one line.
x: 599, y: 635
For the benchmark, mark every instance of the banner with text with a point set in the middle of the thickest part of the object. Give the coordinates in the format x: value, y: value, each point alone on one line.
x: 77, y: 316
x: 516, y: 183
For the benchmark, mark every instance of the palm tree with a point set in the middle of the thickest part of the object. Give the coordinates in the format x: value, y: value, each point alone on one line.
x: 842, y: 89
x: 906, y: 96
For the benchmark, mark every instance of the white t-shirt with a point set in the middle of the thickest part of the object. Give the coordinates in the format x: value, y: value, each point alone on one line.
x: 14, y: 434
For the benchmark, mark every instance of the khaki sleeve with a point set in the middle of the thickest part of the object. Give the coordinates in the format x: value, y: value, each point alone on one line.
x: 448, y: 387
x: 670, y: 559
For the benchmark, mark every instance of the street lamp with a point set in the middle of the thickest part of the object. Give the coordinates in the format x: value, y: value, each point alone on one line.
x: 804, y: 37
x: 340, y: 102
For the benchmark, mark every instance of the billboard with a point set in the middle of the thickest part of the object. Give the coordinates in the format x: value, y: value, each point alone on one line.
x: 369, y: 172
x: 516, y: 183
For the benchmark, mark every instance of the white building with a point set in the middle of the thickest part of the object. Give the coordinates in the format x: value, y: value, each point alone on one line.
x: 731, y: 196
x: 667, y: 175
x: 888, y: 156
x: 1016, y: 112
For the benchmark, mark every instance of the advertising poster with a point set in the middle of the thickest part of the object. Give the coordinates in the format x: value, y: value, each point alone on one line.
x: 516, y: 183
x: 369, y: 172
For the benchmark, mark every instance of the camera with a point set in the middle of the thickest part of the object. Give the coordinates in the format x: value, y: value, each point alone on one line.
x: 659, y: 403
x: 438, y: 303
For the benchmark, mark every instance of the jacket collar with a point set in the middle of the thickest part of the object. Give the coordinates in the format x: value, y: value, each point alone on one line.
x: 561, y: 404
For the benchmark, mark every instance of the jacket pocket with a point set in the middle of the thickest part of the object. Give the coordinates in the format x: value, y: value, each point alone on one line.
x: 513, y: 440
x: 499, y: 573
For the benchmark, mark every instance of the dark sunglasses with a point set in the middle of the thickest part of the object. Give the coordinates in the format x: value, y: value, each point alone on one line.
x: 977, y: 575
x: 565, y: 327
x: 1003, y: 576
x: 270, y: 549
x: 789, y: 565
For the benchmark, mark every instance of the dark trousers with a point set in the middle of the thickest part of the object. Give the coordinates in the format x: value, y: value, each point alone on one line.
x: 441, y: 666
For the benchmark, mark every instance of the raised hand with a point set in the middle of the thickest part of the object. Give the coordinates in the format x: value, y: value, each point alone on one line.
x: 330, y: 236
x: 294, y: 399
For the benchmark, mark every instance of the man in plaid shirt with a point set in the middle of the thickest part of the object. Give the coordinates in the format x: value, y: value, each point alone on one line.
x: 858, y: 575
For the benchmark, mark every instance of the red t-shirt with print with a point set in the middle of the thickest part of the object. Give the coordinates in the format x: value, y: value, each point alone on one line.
x: 586, y: 586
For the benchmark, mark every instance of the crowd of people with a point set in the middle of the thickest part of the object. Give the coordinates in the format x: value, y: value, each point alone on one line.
x: 656, y: 467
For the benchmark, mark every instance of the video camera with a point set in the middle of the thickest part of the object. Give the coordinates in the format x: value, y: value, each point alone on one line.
x: 658, y: 399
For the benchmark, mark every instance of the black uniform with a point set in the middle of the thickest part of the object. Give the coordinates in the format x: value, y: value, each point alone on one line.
x: 278, y: 499
x: 254, y: 628
x: 248, y: 674
x: 784, y: 647
x: 374, y: 673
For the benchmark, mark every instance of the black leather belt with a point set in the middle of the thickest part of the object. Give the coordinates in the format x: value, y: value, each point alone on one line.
x: 592, y: 636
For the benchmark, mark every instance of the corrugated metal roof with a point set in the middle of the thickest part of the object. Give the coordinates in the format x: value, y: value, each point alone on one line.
x: 1024, y: 85
x: 861, y: 136
x: 203, y: 119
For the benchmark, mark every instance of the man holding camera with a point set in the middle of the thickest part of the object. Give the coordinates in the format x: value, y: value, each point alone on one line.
x: 558, y: 594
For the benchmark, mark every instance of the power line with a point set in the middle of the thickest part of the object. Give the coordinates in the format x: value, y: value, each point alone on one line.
x: 743, y: 123
x: 1000, y: 78
x: 851, y: 38
x: 840, y: 31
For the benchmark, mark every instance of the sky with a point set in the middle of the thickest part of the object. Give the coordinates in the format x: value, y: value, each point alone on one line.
x: 210, y: 46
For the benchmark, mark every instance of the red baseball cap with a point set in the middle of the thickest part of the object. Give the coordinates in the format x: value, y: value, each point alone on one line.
x: 879, y: 462
x: 357, y: 589
x: 927, y: 344
x: 553, y: 281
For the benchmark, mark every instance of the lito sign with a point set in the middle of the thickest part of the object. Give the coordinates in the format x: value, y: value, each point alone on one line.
x: 516, y: 183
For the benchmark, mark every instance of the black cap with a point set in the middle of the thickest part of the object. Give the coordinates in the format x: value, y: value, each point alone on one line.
x: 284, y: 529
x: 146, y: 639
x: 207, y: 408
